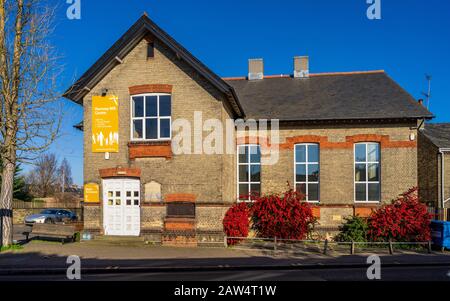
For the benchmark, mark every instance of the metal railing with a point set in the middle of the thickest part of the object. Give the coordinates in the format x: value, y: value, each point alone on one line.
x: 324, y: 247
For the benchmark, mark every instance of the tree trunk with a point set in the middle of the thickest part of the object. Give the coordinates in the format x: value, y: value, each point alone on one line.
x: 6, y: 197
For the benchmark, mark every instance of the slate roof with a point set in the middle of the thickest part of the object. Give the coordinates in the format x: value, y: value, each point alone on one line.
x: 143, y: 27
x: 438, y: 133
x: 340, y: 96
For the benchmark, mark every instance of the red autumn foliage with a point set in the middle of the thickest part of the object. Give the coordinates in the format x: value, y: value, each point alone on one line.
x: 406, y: 219
x: 236, y: 222
x: 283, y: 216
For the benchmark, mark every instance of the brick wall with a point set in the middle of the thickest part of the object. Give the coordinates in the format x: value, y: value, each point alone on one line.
x: 398, y: 160
x: 212, y: 178
x: 428, y: 169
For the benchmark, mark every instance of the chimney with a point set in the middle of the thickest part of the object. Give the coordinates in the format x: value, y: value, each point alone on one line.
x: 255, y: 69
x: 301, y: 67
x: 420, y: 102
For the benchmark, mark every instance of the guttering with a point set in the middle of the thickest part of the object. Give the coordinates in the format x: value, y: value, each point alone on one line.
x: 441, y: 152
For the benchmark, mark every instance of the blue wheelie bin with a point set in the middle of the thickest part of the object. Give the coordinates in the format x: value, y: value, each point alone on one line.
x: 440, y: 234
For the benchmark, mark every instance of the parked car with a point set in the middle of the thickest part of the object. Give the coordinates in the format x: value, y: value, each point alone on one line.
x: 51, y: 216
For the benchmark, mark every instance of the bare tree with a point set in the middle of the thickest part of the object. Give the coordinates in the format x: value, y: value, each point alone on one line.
x: 65, y: 175
x: 29, y: 114
x: 43, y: 179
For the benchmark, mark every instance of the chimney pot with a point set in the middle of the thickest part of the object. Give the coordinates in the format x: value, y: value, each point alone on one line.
x: 420, y: 101
x: 301, y: 67
x: 255, y: 69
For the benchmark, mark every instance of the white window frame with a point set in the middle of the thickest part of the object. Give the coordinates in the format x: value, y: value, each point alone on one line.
x: 157, y: 117
x: 249, y: 164
x: 306, y: 163
x: 367, y: 182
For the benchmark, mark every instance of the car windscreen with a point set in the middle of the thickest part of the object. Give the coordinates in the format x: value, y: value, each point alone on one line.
x: 48, y: 211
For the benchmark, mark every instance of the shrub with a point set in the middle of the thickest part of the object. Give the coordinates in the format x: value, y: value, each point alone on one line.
x: 236, y: 222
x: 406, y: 219
x: 354, y: 229
x: 283, y: 216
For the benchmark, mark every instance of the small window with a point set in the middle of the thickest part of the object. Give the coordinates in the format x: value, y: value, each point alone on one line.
x: 151, y: 117
x: 367, y: 172
x: 307, y: 171
x: 249, y: 171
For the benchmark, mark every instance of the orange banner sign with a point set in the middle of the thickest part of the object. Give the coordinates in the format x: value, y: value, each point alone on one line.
x: 105, y: 124
x: 91, y: 193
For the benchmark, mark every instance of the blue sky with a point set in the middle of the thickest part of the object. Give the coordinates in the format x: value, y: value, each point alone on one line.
x: 411, y: 39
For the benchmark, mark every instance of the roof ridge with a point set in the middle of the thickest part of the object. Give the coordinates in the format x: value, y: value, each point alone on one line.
x: 311, y: 74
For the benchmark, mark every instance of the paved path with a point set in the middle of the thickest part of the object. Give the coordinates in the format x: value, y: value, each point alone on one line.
x: 50, y: 255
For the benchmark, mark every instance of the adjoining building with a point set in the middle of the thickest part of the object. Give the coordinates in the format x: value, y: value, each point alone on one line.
x: 434, y: 167
x: 347, y: 140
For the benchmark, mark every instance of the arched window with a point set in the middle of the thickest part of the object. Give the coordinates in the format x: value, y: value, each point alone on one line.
x: 249, y: 171
x: 151, y: 117
x: 307, y: 170
x: 367, y: 172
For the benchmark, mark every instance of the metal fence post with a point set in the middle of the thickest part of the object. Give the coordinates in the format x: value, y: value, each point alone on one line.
x: 225, y: 241
x: 429, y: 247
x: 325, y: 248
x: 352, y: 248
x: 275, y: 244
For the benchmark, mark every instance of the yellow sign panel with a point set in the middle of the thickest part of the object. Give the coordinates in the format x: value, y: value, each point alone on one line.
x: 91, y: 193
x: 105, y: 124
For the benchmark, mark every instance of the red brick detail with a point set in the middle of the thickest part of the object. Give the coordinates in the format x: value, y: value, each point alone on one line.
x: 384, y: 141
x: 365, y: 210
x: 263, y: 141
x: 180, y: 197
x: 179, y: 224
x: 158, y: 88
x: 120, y: 172
x: 316, y: 211
x: 179, y: 240
x: 150, y: 150
x: 92, y: 204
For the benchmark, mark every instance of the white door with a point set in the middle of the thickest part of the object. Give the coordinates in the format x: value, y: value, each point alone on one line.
x: 121, y: 207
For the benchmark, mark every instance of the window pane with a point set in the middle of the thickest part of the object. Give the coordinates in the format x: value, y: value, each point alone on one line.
x: 255, y: 154
x: 301, y: 173
x: 313, y: 172
x: 301, y: 188
x: 360, y: 172
x: 151, y: 103
x: 313, y: 192
x: 313, y: 153
x: 374, y: 172
x: 136, y: 202
x: 374, y: 192
x: 165, y: 105
x: 255, y: 173
x: 165, y: 128
x: 243, y: 173
x: 300, y: 153
x: 360, y: 192
x: 373, y: 152
x: 151, y: 128
x: 243, y: 154
x: 128, y: 202
x: 360, y: 153
x: 137, y: 129
x: 138, y: 106
x: 243, y: 191
x: 255, y: 189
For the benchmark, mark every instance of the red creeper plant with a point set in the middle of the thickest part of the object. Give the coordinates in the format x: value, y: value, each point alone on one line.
x: 236, y: 222
x: 406, y: 219
x: 283, y: 216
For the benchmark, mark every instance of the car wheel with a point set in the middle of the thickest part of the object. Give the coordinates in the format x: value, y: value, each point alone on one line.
x: 49, y: 221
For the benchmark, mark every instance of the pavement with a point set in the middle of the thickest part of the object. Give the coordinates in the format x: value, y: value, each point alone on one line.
x: 101, y: 260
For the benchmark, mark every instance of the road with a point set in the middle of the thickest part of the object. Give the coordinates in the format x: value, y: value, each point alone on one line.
x: 323, y: 274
